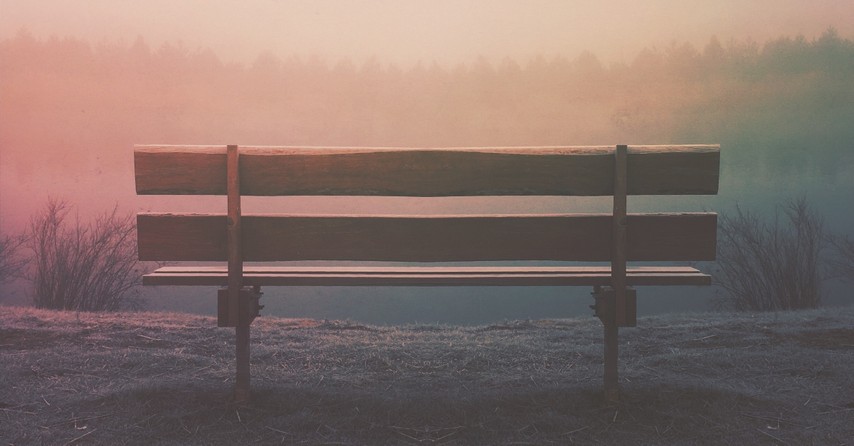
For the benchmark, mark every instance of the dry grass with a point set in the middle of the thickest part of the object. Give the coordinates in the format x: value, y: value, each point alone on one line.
x: 148, y: 378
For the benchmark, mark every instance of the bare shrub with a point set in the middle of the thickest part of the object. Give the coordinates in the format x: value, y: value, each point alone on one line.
x: 83, y: 266
x: 776, y: 265
x: 843, y: 259
x: 11, y: 262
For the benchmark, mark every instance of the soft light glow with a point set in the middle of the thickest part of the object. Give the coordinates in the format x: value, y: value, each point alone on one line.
x: 405, y: 32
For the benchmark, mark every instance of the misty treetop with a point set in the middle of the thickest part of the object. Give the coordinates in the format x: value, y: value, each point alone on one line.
x: 789, y: 96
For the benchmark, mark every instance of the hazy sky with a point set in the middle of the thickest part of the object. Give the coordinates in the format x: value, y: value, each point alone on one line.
x: 405, y: 31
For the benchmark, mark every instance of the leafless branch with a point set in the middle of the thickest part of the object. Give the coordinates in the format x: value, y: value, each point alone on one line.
x: 11, y: 261
x: 776, y: 265
x: 84, y: 266
x: 842, y: 262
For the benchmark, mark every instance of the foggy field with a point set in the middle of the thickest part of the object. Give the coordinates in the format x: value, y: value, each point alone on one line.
x: 157, y: 378
x: 74, y: 107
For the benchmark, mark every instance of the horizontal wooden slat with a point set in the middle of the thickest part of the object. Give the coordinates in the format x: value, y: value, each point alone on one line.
x: 572, y: 237
x: 425, y: 276
x: 579, y: 171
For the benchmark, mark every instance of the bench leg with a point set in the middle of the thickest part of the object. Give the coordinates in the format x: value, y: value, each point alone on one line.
x: 241, y: 389
x: 612, y: 389
x: 248, y: 309
x: 605, y: 308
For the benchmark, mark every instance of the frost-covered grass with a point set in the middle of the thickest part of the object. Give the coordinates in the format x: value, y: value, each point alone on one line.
x: 155, y: 378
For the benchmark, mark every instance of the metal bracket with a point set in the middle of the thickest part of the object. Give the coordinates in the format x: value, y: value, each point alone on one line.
x: 249, y: 305
x: 605, y: 305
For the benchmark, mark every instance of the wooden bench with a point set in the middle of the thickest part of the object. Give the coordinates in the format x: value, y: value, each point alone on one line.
x: 612, y: 238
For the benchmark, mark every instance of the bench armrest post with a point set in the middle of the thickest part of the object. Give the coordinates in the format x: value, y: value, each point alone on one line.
x: 618, y: 259
x: 235, y: 255
x: 238, y: 315
x: 617, y: 303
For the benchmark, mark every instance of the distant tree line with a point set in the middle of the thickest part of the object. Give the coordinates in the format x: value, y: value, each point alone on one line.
x: 781, y: 96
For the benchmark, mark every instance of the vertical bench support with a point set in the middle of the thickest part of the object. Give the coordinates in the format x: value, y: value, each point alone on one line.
x: 617, y: 317
x: 236, y: 312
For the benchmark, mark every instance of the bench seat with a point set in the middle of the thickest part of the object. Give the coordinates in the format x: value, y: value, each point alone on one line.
x: 425, y: 276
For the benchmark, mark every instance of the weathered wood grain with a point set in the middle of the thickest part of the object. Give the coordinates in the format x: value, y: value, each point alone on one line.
x: 572, y: 237
x: 577, y: 171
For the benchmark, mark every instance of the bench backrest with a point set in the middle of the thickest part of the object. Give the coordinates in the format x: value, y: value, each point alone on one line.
x: 544, y: 171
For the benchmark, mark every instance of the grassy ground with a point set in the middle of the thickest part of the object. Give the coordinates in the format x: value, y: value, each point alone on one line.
x: 149, y: 378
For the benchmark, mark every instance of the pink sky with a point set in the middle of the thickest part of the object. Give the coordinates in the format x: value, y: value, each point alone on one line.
x: 406, y: 31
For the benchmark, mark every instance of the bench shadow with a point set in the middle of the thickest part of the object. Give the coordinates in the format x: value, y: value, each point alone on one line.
x: 289, y: 413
